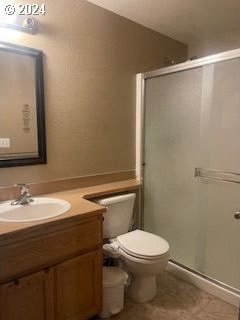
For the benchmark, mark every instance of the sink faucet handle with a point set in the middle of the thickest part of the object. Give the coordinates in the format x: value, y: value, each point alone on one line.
x: 25, y: 196
x: 24, y: 188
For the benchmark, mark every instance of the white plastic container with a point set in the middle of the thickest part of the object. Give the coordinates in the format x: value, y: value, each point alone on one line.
x: 113, y: 291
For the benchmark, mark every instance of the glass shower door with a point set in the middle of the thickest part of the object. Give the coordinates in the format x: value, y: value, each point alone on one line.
x: 192, y: 129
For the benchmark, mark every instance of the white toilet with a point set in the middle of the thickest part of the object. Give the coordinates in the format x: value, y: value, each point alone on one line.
x: 141, y: 253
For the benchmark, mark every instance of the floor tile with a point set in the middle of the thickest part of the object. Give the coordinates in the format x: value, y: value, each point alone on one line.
x: 218, y: 309
x: 178, y: 300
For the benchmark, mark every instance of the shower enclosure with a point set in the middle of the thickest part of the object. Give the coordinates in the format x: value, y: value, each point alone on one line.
x: 191, y: 164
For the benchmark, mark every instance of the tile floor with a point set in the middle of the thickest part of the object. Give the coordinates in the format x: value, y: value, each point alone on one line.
x: 178, y: 300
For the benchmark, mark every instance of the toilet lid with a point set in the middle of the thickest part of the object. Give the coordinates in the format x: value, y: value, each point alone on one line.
x: 143, y: 244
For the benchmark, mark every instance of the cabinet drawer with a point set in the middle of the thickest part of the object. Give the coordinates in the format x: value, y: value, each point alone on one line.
x: 49, y: 249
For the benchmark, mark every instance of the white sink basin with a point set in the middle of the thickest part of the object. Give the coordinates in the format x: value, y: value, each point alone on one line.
x: 39, y: 209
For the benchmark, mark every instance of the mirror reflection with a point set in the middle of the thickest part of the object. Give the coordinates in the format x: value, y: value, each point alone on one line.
x: 22, y: 134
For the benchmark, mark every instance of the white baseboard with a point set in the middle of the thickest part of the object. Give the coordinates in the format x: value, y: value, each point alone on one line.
x: 204, y: 284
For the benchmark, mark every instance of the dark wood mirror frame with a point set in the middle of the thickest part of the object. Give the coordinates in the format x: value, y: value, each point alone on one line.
x: 38, y: 56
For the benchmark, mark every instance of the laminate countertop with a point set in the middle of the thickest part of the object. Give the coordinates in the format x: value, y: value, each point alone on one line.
x: 81, y: 208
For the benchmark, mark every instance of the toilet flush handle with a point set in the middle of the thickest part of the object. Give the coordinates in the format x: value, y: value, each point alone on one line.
x: 107, y: 208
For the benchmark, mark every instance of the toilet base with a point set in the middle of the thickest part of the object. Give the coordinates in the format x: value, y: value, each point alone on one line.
x: 142, y: 288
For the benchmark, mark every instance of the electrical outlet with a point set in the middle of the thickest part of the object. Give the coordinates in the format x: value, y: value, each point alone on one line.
x: 4, y: 143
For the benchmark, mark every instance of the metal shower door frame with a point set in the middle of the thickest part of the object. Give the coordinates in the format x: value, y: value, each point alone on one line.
x: 141, y: 107
x: 140, y: 122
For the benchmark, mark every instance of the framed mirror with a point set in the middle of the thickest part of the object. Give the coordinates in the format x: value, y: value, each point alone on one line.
x: 22, y: 121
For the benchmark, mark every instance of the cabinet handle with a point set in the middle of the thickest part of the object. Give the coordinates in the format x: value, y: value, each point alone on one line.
x: 237, y: 215
x: 46, y: 270
x: 16, y: 282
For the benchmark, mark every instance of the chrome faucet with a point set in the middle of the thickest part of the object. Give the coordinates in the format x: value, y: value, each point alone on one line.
x: 25, y: 196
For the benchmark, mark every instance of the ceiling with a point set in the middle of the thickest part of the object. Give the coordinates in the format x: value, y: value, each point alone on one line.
x: 188, y: 21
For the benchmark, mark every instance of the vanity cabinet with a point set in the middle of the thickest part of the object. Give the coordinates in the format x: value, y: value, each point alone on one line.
x: 55, y: 276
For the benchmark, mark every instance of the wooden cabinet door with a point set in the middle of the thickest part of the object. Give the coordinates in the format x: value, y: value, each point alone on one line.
x: 79, y: 287
x: 29, y: 298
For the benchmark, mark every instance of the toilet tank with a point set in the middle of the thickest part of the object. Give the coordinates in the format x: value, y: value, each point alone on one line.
x: 118, y: 216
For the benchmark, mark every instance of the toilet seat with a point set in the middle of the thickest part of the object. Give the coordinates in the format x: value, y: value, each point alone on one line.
x: 143, y: 245
x: 144, y: 261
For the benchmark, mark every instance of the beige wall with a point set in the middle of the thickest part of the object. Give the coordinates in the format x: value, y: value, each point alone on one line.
x: 91, y: 58
x: 215, y: 43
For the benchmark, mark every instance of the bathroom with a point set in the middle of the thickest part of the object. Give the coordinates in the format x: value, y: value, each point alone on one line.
x: 92, y: 52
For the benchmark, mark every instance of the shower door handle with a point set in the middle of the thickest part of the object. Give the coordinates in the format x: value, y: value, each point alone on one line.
x: 237, y: 215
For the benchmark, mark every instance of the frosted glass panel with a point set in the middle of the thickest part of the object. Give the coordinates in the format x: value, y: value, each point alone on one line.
x: 192, y: 120
x: 220, y: 149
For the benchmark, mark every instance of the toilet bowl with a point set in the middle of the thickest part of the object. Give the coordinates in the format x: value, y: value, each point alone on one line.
x: 145, y: 255
x: 141, y: 253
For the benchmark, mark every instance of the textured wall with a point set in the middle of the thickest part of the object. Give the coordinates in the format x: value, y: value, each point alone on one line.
x: 215, y: 44
x: 91, y: 58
